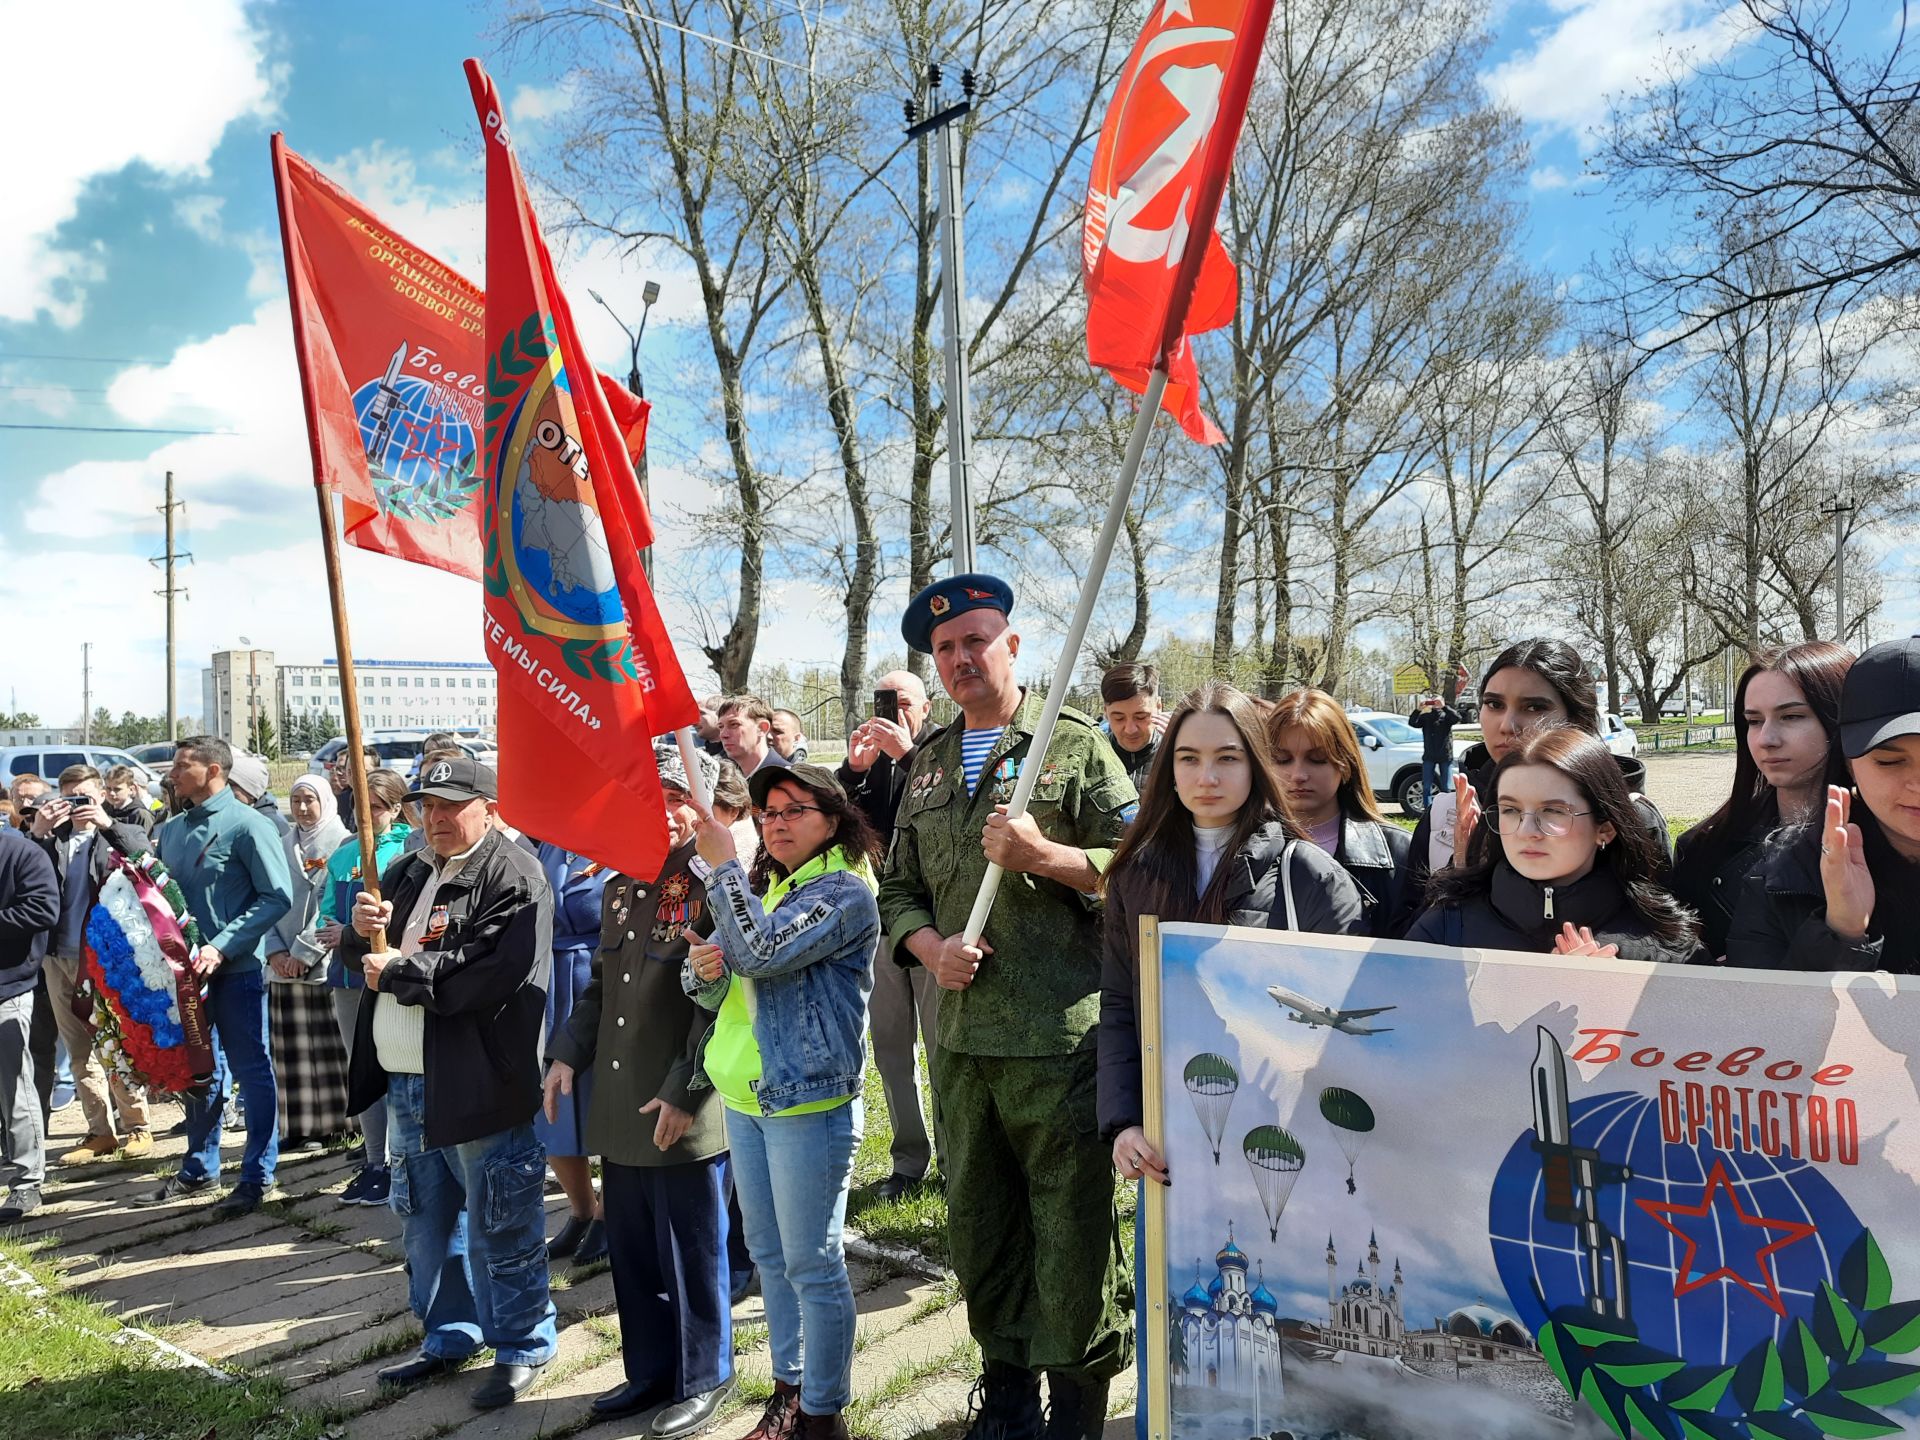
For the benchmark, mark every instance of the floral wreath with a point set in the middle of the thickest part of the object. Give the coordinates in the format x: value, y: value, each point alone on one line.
x: 149, y: 1015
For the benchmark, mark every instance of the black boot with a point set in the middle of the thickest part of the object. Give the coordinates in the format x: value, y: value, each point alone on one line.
x: 1075, y: 1411
x: 1005, y: 1404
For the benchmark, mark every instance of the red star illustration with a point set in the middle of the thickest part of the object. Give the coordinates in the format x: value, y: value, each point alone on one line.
x: 1767, y: 1291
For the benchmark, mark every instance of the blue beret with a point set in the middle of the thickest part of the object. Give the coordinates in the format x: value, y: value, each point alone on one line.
x: 944, y: 599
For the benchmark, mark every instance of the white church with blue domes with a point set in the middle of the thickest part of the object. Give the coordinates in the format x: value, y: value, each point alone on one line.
x: 1230, y: 1335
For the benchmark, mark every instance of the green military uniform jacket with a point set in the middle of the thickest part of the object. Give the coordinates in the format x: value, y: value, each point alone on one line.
x: 637, y: 1029
x: 1038, y: 993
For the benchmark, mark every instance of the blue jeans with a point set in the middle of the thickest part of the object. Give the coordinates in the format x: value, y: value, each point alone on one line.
x: 473, y: 1225
x: 1434, y: 775
x: 792, y: 1173
x: 243, y: 1056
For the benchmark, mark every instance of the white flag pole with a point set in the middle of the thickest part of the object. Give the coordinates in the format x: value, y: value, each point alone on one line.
x: 1076, y: 636
x: 696, y: 778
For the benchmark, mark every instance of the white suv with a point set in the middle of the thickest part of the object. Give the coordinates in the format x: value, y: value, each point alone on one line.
x: 1392, y: 749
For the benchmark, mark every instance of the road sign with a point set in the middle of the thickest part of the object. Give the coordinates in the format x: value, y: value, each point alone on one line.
x: 1411, y: 680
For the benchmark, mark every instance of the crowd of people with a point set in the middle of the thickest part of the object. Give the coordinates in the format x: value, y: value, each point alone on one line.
x: 505, y: 1007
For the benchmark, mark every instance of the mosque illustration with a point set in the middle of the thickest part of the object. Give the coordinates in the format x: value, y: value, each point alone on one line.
x: 1362, y: 1317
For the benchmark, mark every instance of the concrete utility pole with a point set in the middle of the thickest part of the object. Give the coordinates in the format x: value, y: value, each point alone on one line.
x: 86, y: 692
x: 169, y: 591
x: 1840, y: 509
x: 946, y: 123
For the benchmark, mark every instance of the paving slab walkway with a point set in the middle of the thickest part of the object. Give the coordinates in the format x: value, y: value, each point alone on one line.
x: 314, y: 1293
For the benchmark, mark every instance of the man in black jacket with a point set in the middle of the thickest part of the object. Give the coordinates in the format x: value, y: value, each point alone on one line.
x: 1434, y: 719
x: 879, y: 754
x: 29, y: 908
x: 453, y: 1043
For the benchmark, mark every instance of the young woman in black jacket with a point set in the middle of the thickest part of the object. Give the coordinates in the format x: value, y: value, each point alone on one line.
x: 1786, y: 716
x: 1529, y: 684
x: 1212, y: 844
x: 1559, y: 863
x: 1844, y: 894
x: 1329, y: 797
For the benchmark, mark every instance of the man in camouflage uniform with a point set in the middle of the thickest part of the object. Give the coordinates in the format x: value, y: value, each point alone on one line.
x: 1033, y: 1232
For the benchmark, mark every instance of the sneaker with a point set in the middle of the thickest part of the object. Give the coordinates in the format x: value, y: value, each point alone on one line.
x: 22, y: 1201
x: 63, y: 1096
x: 243, y: 1199
x: 139, y: 1144
x: 233, y: 1117
x: 178, y: 1187
x: 369, y: 1187
x: 88, y: 1151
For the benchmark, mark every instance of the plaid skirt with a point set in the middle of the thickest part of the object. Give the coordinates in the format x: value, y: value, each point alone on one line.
x: 309, y: 1061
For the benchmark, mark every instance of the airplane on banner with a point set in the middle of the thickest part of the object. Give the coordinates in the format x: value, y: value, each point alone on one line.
x: 1313, y: 1013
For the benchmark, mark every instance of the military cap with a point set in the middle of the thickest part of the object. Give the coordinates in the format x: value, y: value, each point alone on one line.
x: 944, y: 599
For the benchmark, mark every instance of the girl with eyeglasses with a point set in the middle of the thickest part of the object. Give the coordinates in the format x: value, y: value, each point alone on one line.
x: 1560, y: 863
x: 1786, y: 717
x: 1530, y: 684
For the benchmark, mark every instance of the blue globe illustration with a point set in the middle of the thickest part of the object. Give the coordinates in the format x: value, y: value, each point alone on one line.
x: 1716, y: 1320
x: 422, y: 438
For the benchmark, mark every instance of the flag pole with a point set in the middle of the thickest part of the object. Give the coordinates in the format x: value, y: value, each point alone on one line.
x: 696, y: 779
x: 329, y: 544
x: 1076, y: 636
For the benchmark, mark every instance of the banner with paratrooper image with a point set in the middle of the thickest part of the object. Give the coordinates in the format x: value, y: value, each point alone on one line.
x: 1420, y: 1193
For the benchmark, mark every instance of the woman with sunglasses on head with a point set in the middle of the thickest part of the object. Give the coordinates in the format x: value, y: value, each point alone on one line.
x: 1328, y: 795
x: 789, y: 974
x: 1843, y: 892
x: 1529, y: 684
x: 1212, y: 843
x: 1786, y: 717
x: 1560, y: 863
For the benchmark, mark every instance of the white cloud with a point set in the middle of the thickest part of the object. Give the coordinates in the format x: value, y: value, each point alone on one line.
x: 1549, y: 177
x: 129, y: 101
x: 1605, y: 49
x: 532, y: 103
x: 201, y: 214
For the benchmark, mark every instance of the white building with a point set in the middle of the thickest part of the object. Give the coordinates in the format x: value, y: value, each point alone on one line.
x: 239, y: 686
x: 1230, y: 1338
x: 397, y: 694
x: 1360, y: 1315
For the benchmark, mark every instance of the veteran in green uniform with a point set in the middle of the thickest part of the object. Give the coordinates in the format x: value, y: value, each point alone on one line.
x: 1033, y: 1232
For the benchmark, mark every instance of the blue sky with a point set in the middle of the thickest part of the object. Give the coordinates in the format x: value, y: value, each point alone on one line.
x: 141, y: 288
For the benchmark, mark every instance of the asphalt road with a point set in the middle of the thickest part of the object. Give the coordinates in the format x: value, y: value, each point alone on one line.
x: 1689, y: 786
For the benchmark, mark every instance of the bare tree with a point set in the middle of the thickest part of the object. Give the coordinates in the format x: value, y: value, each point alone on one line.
x: 1805, y: 152
x: 654, y: 152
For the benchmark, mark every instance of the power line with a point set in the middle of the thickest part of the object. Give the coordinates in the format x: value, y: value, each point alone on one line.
x: 78, y: 359
x: 118, y: 430
x: 634, y: 13
x: 57, y: 389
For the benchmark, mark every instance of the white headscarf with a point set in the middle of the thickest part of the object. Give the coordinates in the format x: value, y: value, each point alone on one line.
x: 318, y: 841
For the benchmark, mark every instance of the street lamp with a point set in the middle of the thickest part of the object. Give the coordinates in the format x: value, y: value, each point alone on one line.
x: 649, y: 293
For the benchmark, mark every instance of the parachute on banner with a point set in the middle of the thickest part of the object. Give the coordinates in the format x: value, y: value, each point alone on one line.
x: 1211, y: 1082
x: 1276, y: 1160
x: 1352, y: 1122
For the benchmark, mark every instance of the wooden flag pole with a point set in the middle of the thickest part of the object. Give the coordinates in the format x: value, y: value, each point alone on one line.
x: 349, y: 706
x: 1076, y: 636
x: 1151, y: 1288
x: 329, y: 542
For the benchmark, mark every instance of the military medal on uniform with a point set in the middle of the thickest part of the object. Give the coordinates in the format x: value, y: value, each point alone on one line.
x: 437, y: 921
x: 676, y: 910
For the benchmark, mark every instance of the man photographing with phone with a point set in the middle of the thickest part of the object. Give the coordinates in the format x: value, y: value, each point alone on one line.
x: 879, y: 754
x: 80, y: 838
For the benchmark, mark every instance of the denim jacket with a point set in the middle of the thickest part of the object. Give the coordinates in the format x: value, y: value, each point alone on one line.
x: 810, y: 960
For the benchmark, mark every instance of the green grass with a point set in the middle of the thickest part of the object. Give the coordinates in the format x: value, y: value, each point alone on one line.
x: 864, y: 1415
x: 62, y: 1373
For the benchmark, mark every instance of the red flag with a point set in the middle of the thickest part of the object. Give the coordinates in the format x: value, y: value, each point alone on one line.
x: 393, y: 373
x: 587, y: 674
x: 1158, y: 174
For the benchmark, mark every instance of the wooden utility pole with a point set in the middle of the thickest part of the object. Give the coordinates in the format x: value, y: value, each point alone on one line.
x: 168, y: 591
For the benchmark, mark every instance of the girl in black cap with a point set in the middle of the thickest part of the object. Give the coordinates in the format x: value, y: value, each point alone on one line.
x: 1786, y: 719
x: 1840, y: 894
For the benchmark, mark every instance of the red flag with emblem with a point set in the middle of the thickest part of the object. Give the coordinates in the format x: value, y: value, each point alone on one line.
x: 1156, y: 271
x: 393, y: 375
x: 587, y: 674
